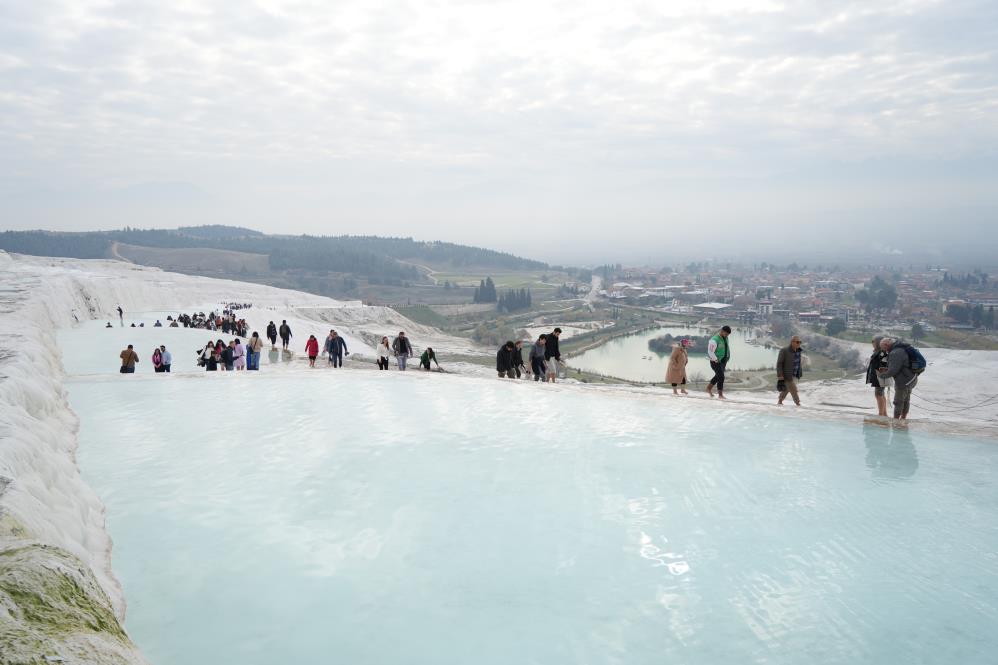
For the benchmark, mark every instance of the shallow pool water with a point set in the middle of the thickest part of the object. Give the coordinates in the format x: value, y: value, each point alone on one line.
x: 366, y: 517
x: 628, y: 357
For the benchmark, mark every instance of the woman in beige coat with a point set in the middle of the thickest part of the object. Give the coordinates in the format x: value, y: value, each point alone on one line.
x: 676, y: 374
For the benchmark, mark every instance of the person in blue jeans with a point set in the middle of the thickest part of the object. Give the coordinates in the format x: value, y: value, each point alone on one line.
x: 336, y: 346
x: 402, y: 349
x: 254, y: 345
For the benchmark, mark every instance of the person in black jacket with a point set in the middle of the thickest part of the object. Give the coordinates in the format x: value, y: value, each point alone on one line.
x: 285, y: 332
x: 505, y: 361
x: 552, y: 356
x: 878, y: 363
x: 272, y: 333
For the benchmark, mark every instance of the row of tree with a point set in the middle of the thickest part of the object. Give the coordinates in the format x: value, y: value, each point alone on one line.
x: 976, y: 315
x: 514, y: 300
x: 485, y: 292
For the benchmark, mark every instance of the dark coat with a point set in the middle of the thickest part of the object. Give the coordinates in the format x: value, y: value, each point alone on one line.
x: 505, y: 360
x: 401, y: 345
x: 336, y: 345
x: 551, y: 350
x: 785, y: 364
x: 877, y: 360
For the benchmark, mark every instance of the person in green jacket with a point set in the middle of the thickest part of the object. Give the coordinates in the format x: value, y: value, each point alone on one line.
x: 426, y: 357
x: 719, y: 353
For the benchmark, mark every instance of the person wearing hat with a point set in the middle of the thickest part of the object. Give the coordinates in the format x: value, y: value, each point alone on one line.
x: 676, y: 372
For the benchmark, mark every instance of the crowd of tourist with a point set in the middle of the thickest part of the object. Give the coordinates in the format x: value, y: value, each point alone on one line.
x: 894, y: 364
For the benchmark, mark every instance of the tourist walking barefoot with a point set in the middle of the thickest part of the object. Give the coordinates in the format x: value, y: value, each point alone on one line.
x: 384, y: 353
x: 719, y: 353
x: 128, y: 360
x: 789, y: 370
x: 552, y: 355
x: 239, y: 355
x: 285, y: 331
x: 676, y: 372
x: 537, y: 358
x: 878, y: 362
x: 312, y: 350
x: 272, y: 334
x: 402, y: 349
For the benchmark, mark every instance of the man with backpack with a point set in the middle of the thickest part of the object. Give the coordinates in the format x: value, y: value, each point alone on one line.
x: 904, y: 364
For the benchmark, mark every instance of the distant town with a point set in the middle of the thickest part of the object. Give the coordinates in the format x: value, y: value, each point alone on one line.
x: 927, y: 302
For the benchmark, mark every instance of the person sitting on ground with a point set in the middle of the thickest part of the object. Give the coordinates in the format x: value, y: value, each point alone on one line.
x: 312, y: 350
x: 174, y: 324
x: 878, y: 362
x: 537, y: 358
x: 108, y: 325
x: 157, y: 324
x: 504, y: 360
x: 426, y: 357
x: 128, y: 360
x: 789, y: 370
x: 676, y: 371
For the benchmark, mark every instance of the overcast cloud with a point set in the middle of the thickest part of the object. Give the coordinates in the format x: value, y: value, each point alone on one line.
x: 566, y: 131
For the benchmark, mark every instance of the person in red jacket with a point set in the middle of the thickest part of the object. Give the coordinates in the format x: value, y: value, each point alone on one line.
x: 312, y: 350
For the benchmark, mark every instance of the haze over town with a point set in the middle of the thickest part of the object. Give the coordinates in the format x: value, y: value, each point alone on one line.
x: 564, y: 132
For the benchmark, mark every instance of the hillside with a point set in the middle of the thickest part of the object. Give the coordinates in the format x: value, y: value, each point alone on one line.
x: 370, y: 267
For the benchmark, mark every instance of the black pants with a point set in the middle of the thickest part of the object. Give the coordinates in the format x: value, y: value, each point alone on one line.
x: 382, y: 363
x: 273, y: 340
x: 503, y: 373
x: 718, y: 379
x: 336, y: 359
x: 537, y: 365
x: 166, y: 368
x: 284, y: 341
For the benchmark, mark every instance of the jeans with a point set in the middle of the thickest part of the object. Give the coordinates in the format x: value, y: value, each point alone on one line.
x: 128, y: 370
x: 402, y: 357
x: 718, y: 379
x: 252, y: 360
x: 336, y: 359
x: 165, y: 368
x: 537, y: 365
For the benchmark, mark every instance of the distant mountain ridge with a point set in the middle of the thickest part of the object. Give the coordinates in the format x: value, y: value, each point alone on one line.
x: 364, y: 256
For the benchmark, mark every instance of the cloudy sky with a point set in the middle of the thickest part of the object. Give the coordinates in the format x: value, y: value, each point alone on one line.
x: 566, y: 131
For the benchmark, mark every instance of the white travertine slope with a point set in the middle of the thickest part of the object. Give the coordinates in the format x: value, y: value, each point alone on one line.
x: 52, y: 538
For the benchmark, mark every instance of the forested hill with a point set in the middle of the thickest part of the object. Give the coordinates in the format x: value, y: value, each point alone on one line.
x: 359, y: 255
